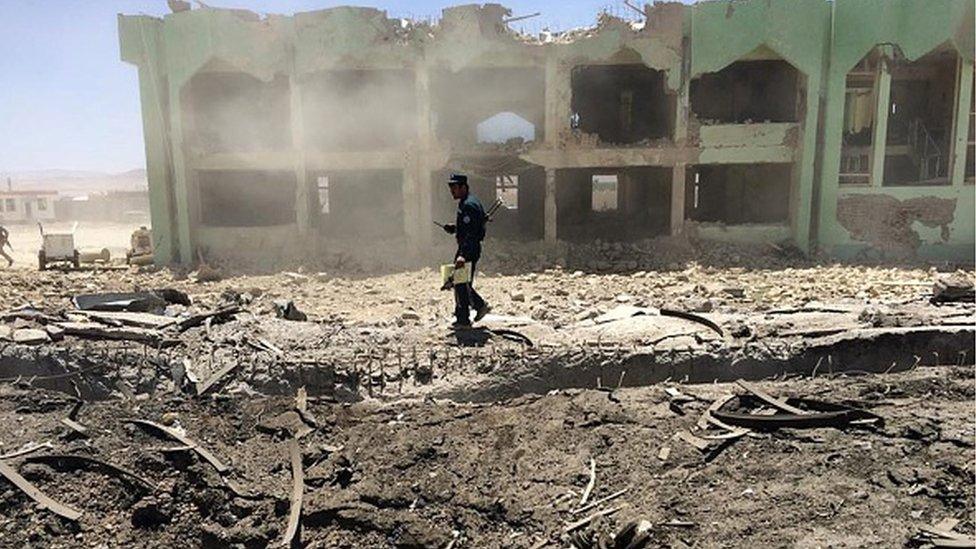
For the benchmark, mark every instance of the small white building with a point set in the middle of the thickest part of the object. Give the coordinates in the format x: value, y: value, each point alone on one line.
x: 27, y: 206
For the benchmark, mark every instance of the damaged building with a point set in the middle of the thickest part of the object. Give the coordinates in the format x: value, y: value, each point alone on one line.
x: 844, y: 126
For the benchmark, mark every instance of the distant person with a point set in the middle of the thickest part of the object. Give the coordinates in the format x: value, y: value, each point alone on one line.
x: 469, y: 231
x: 5, y: 243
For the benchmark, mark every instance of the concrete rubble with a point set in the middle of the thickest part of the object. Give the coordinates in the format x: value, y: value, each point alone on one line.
x: 612, y: 354
x: 731, y: 277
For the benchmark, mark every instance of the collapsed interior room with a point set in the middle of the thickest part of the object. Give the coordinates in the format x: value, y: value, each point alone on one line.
x: 920, y: 114
x: 860, y: 107
x: 347, y: 110
x: 246, y: 198
x: 519, y: 185
x: 748, y: 91
x: 358, y: 204
x: 622, y: 104
x: 912, y: 103
x: 613, y: 203
x: 737, y: 194
x: 234, y: 112
x: 501, y: 102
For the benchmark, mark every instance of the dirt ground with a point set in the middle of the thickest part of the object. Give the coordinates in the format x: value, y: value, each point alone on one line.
x: 508, y: 474
x: 403, y: 443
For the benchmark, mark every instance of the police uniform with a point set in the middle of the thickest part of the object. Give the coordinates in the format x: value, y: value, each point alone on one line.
x: 469, y: 232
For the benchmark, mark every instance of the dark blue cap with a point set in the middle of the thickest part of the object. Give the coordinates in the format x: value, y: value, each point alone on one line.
x: 458, y: 179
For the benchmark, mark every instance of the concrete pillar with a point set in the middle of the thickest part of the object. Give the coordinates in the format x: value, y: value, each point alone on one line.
x: 680, y: 137
x: 303, y: 214
x: 416, y: 180
x: 964, y: 94
x: 802, y: 171
x: 158, y: 165
x: 623, y: 193
x: 678, y: 199
x: 182, y: 186
x: 550, y: 209
x: 559, y: 95
x: 879, y: 138
x: 682, y: 101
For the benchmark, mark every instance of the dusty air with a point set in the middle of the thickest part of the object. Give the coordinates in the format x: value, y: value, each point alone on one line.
x: 560, y: 275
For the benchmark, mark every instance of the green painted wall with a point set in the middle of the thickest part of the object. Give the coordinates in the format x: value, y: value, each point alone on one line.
x: 141, y: 40
x: 821, y: 39
x: 797, y: 30
x: 915, y: 28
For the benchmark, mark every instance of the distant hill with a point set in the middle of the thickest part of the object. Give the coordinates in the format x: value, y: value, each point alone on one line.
x: 75, y: 182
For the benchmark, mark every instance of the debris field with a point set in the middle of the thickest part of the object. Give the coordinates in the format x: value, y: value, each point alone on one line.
x: 706, y: 406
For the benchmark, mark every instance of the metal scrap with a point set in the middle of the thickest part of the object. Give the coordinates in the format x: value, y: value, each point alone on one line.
x: 95, y: 330
x: 598, y: 502
x: 37, y: 495
x: 817, y: 414
x: 187, y: 441
x: 199, y: 319
x: 693, y: 318
x: 706, y: 418
x: 583, y: 522
x: 511, y: 335
x: 297, y: 492
x: 64, y: 458
x: 124, y: 318
x: 769, y: 399
x: 129, y: 301
x: 590, y: 484
x: 941, y: 535
x: 203, y: 387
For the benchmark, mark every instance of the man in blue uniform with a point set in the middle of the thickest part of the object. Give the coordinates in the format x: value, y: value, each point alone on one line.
x: 469, y: 230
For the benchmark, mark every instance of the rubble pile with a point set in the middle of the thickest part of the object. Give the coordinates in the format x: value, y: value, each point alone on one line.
x: 337, y: 409
x: 571, y: 468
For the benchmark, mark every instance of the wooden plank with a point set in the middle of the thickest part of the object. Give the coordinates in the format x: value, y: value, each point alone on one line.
x: 75, y: 426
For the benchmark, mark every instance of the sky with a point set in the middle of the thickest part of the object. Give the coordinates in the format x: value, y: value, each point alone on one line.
x: 68, y: 102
